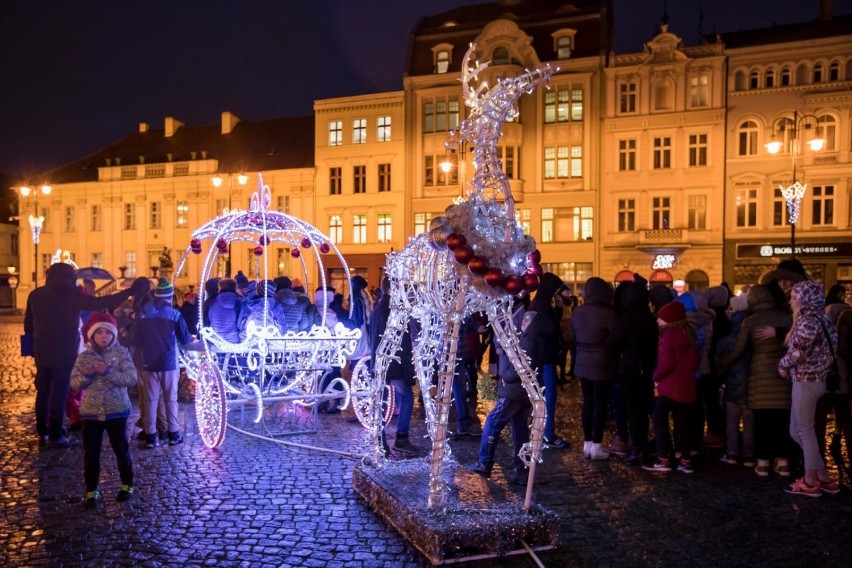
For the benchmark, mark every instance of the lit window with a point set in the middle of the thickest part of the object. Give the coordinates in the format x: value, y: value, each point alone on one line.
x: 442, y: 61
x: 563, y: 47
x: 384, y: 226
x: 547, y: 225
x: 69, y: 219
x: 156, y: 215
x: 384, y: 177
x: 440, y: 114
x: 583, y: 223
x: 359, y: 175
x: 434, y: 175
x: 335, y: 181
x: 96, y: 218
x: 698, y: 91
x: 828, y: 124
x: 335, y: 133
x: 359, y: 229
x: 626, y: 215
x: 335, y: 229
x: 522, y: 218
x: 823, y: 205
x: 359, y: 131
x: 221, y: 206
x: 697, y: 212
x: 130, y: 263
x: 182, y: 213
x: 507, y: 160
x: 421, y: 222
x: 697, y: 150
x: 98, y: 259
x: 129, y: 216
x: 283, y: 203
x: 627, y: 155
x: 746, y: 207
x: 563, y: 105
x: 384, y: 129
x: 662, y: 153
x: 576, y: 161
x: 661, y: 211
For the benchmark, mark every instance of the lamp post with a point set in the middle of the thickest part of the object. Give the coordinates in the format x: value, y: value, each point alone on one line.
x: 455, y: 151
x: 217, y: 181
x: 36, y: 222
x: 790, y: 128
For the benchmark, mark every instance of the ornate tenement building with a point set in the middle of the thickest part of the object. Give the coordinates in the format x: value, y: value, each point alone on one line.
x: 630, y: 162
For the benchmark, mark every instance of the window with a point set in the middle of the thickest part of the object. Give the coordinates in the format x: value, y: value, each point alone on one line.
x: 576, y: 161
x: 384, y: 129
x: 697, y: 212
x: 359, y: 229
x: 522, y: 218
x: 563, y: 105
x: 421, y: 222
x: 434, y: 175
x: 769, y: 79
x: 221, y: 206
x: 834, y: 72
x: 747, y: 207
x: 283, y: 203
x: 442, y: 61
x: 754, y: 80
x: 785, y: 77
x: 819, y: 73
x: 384, y: 225
x: 583, y: 223
x: 440, y: 114
x: 69, y: 219
x: 46, y: 225
x: 130, y: 263
x: 182, y: 209
x: 573, y: 274
x: 500, y: 56
x: 96, y: 218
x: 661, y: 211
x: 156, y: 215
x: 253, y: 263
x: 384, y: 177
x: 627, y: 100
x: 627, y: 155
x: 359, y: 178
x: 335, y: 133
x: 98, y: 259
x: 335, y: 229
x: 507, y: 159
x: 359, y: 131
x: 829, y: 131
x: 335, y: 181
x: 566, y: 224
x: 129, y: 216
x: 662, y: 153
x: 547, y: 225
x: 563, y: 47
x: 747, y: 139
x: 698, y: 90
x: 281, y: 260
x: 626, y: 215
x: 779, y: 208
x: 697, y: 150
x: 823, y: 205
x: 563, y: 162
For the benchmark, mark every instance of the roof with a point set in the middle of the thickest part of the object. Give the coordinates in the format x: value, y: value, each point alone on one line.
x: 275, y: 144
x: 815, y: 29
x: 537, y: 18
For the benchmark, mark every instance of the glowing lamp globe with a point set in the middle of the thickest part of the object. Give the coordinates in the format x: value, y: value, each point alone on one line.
x: 455, y: 240
x: 494, y: 277
x: 463, y: 254
x: 478, y: 265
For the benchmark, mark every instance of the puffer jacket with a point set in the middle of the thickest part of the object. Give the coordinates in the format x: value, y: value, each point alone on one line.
x: 701, y: 318
x: 105, y: 396
x: 766, y: 388
x: 735, y: 376
x: 253, y: 310
x: 591, y: 325
x: 158, y: 329
x: 294, y: 310
x: 677, y: 360
x: 809, y: 351
x: 223, y: 315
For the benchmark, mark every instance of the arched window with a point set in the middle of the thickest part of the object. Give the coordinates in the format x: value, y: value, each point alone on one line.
x: 740, y: 80
x: 834, y: 71
x: 802, y: 74
x: 754, y: 80
x: 819, y: 73
x: 769, y: 80
x: 697, y: 280
x: 785, y: 77
x: 828, y: 129
x: 442, y: 62
x: 747, y: 138
x: 500, y: 56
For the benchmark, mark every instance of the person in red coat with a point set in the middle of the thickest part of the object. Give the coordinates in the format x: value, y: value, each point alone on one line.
x: 675, y: 386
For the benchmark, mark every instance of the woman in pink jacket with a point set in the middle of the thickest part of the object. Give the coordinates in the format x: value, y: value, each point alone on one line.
x: 676, y: 387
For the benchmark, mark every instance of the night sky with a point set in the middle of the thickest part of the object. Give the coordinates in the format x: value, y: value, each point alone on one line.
x: 79, y: 75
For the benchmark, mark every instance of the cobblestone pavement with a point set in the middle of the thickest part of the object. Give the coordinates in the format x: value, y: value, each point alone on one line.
x: 255, y: 503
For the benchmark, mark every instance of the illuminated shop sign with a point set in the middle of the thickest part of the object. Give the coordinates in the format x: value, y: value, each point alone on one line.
x: 663, y: 262
x: 805, y: 250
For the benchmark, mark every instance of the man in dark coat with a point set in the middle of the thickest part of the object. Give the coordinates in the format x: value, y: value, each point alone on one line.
x: 53, y: 320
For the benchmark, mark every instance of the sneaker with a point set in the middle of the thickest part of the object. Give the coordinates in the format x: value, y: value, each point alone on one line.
x: 557, y: 442
x: 617, y: 448
x: 781, y: 467
x: 731, y: 460
x: 685, y: 467
x: 92, y: 499
x: 587, y: 449
x: 762, y: 469
x: 829, y: 486
x: 151, y: 441
x: 175, y: 438
x: 799, y: 487
x: 403, y: 446
x: 635, y: 457
x: 125, y: 493
x: 749, y: 462
x: 660, y: 466
x: 483, y: 469
x: 62, y: 442
x: 598, y: 452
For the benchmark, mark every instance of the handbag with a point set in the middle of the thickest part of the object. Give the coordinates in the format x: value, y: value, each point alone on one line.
x: 27, y: 345
x: 832, y: 379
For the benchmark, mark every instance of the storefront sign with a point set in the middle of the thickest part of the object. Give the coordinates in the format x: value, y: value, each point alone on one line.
x: 803, y: 250
x: 663, y: 262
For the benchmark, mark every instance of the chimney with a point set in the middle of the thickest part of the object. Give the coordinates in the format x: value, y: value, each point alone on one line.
x: 143, y: 127
x: 229, y: 121
x: 826, y: 8
x: 172, y: 125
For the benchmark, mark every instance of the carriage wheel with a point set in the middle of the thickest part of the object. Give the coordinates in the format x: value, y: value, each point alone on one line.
x: 362, y: 394
x: 210, y: 406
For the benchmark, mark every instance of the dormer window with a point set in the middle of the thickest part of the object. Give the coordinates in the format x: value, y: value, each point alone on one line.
x: 563, y: 43
x: 442, y: 61
x: 500, y: 56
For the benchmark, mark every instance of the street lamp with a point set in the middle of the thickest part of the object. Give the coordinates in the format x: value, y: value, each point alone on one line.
x: 217, y: 181
x: 36, y: 222
x: 789, y: 129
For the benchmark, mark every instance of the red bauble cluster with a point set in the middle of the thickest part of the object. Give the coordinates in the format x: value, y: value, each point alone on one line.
x: 222, y: 245
x: 494, y: 277
x: 195, y: 246
x: 324, y: 248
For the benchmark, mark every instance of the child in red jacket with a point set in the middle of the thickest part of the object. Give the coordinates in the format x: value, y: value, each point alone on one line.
x: 674, y: 379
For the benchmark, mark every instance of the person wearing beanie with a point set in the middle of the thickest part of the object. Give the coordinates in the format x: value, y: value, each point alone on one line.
x: 52, y: 321
x: 103, y: 372
x: 156, y: 334
x: 674, y: 379
x: 242, y: 283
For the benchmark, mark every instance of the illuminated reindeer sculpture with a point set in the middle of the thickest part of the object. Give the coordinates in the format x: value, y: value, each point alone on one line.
x: 474, y: 258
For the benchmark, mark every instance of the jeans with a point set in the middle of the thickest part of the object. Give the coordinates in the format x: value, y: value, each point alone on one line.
x: 735, y: 413
x: 152, y: 384
x: 405, y: 399
x: 505, y: 411
x: 548, y: 375
x: 802, y: 410
x: 596, y: 397
x: 92, y: 433
x: 52, y: 386
x: 680, y: 411
x: 460, y: 397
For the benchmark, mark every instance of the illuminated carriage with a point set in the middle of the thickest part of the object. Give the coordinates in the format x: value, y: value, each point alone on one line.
x: 267, y: 367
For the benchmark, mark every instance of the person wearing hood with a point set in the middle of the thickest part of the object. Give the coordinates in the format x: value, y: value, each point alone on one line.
x: 295, y: 312
x: 811, y: 345
x: 710, y: 384
x: 262, y: 309
x: 768, y: 396
x: 225, y: 311
x: 597, y: 363
x: 52, y: 319
x: 211, y: 290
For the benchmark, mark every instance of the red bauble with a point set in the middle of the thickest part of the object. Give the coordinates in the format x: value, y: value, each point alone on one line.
x: 534, y: 257
x: 306, y: 242
x: 195, y: 243
x: 494, y: 277
x: 463, y: 254
x: 258, y: 251
x: 455, y: 240
x: 324, y: 248
x: 513, y: 284
x: 535, y: 269
x: 222, y: 245
x: 478, y: 265
x: 263, y: 240
x: 295, y: 253
x: 531, y: 282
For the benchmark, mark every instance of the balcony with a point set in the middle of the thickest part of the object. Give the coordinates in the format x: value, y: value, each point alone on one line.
x: 663, y: 238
